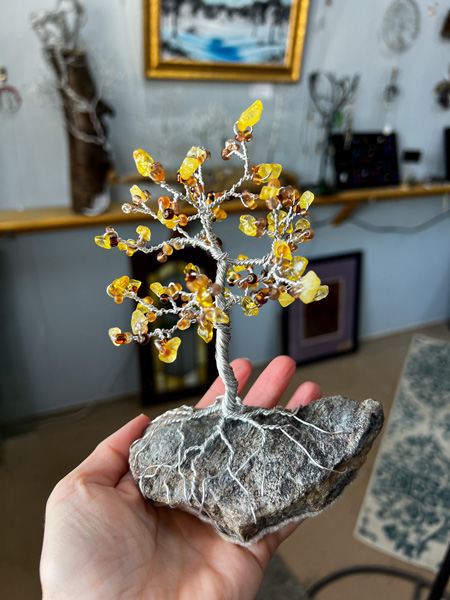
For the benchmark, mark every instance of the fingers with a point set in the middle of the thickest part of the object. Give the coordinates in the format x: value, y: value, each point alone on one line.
x: 109, y: 461
x: 242, y: 369
x: 305, y: 393
x: 271, y: 384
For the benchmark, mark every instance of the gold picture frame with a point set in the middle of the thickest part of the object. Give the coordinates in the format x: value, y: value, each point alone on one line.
x: 258, y: 41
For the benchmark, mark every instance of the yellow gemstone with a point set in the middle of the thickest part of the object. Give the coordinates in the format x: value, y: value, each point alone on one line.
x: 306, y: 200
x: 302, y: 224
x: 191, y: 267
x: 249, y: 307
x: 281, y: 250
x: 250, y: 116
x: 118, y: 286
x: 171, y: 290
x: 206, y: 331
x: 199, y: 153
x: 113, y: 333
x: 247, y: 225
x: 204, y: 299
x: 310, y: 287
x: 139, y: 323
x: 169, y: 223
x: 144, y: 162
x: 268, y: 192
x: 296, y: 268
x: 134, y: 285
x: 103, y: 241
x: 170, y: 350
x: 122, y: 246
x: 282, y: 223
x: 144, y: 232
x: 285, y: 299
x: 240, y: 268
x: 136, y: 191
x: 216, y: 315
x: 188, y: 167
x: 157, y: 288
x: 322, y: 293
x: 269, y: 171
x: 142, y: 308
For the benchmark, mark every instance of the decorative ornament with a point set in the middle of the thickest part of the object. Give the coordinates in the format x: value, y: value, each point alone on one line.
x: 247, y: 470
x: 401, y: 25
x: 10, y: 100
x: 390, y: 95
x: 442, y: 92
x: 330, y: 95
x: 91, y: 167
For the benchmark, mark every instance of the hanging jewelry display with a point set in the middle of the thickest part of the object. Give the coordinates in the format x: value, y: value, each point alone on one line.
x: 84, y: 110
x: 401, y: 25
x: 10, y: 100
x: 329, y: 95
x: 390, y: 95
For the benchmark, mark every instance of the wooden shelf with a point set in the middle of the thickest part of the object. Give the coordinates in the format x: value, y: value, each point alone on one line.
x: 62, y: 217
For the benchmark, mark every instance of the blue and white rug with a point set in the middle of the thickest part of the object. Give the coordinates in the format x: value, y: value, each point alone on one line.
x: 406, y: 509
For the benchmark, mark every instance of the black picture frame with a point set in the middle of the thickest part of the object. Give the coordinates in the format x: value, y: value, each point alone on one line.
x: 194, y: 370
x: 329, y: 327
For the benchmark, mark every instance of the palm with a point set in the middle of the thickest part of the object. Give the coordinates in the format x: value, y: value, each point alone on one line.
x: 121, y: 546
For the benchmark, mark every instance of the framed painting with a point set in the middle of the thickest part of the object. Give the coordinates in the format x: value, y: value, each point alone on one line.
x: 240, y: 40
x: 330, y: 327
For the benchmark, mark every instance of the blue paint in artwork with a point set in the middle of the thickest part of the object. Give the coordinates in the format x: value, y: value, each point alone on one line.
x: 233, y: 49
x: 219, y: 51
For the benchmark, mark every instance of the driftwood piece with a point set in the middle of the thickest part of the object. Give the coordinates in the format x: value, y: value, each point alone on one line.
x: 90, y: 162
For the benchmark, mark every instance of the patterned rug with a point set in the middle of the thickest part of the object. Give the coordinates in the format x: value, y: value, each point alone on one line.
x: 406, y: 510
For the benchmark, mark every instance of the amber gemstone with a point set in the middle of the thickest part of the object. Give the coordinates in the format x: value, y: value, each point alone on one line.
x: 164, y: 202
x: 214, y: 289
x: 104, y: 241
x: 157, y: 173
x: 310, y: 286
x: 144, y: 162
x: 250, y: 116
x: 188, y: 167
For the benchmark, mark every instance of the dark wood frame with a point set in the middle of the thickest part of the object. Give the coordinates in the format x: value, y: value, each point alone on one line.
x: 160, y: 381
x: 344, y: 271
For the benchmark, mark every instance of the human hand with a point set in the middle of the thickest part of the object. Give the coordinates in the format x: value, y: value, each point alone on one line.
x: 103, y: 540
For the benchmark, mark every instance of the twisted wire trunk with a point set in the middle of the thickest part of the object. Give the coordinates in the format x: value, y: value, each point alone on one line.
x: 230, y: 402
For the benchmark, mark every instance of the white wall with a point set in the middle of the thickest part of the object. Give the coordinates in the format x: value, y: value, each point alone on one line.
x: 53, y: 309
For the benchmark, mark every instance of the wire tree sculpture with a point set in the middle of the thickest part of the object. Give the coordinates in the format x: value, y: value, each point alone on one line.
x: 223, y: 461
x: 204, y: 303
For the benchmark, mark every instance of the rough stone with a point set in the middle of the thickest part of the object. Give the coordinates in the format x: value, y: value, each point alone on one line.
x: 253, y: 472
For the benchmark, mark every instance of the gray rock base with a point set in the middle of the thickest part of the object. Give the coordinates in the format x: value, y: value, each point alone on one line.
x: 253, y: 472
